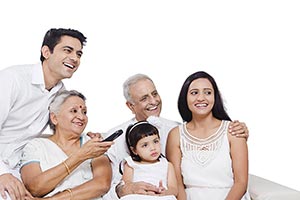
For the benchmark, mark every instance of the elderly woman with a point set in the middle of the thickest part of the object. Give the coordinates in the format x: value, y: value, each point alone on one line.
x: 68, y: 164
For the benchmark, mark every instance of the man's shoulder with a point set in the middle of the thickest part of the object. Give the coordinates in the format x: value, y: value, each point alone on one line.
x: 171, y: 122
x: 158, y: 121
x: 18, y: 67
x: 17, y: 70
x: 162, y: 123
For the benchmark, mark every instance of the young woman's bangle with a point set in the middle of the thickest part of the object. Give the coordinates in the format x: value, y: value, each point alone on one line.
x: 71, y: 193
x: 67, y: 167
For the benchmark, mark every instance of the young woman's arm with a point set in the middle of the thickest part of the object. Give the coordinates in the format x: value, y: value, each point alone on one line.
x: 173, y: 153
x: 239, y: 156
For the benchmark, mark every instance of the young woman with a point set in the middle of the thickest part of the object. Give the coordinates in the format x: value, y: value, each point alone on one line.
x: 145, y: 163
x: 209, y: 162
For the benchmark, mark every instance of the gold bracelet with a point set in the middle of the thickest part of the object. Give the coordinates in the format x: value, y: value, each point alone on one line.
x: 71, y: 193
x: 67, y: 167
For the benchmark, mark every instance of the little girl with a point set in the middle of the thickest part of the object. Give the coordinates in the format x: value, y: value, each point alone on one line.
x: 146, y: 163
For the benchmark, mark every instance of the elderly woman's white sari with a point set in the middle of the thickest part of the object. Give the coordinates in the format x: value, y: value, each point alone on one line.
x: 49, y: 155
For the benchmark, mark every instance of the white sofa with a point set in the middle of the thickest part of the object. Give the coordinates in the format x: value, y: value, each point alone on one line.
x: 262, y: 189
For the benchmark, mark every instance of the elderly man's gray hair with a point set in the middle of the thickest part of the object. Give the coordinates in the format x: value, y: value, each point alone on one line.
x: 130, y: 81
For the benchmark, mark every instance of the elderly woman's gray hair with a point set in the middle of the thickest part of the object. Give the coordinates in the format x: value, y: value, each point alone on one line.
x: 130, y: 81
x: 59, y: 99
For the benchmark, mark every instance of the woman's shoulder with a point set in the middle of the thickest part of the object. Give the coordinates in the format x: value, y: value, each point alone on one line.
x: 174, y: 132
x: 176, y: 129
x: 37, y: 145
x: 39, y: 141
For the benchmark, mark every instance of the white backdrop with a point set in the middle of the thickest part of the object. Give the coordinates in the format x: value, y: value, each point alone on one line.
x: 252, y: 49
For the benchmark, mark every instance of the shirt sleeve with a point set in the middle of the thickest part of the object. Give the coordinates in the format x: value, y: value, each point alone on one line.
x: 30, y: 153
x: 7, y: 88
x: 111, y: 153
x: 3, y: 168
x: 113, y: 156
x: 8, y: 94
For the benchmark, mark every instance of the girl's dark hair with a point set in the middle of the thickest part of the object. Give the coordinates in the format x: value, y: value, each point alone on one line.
x: 218, y: 109
x: 136, y: 132
x: 53, y: 37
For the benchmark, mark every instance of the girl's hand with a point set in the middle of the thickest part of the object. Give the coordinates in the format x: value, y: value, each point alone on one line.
x: 161, y: 188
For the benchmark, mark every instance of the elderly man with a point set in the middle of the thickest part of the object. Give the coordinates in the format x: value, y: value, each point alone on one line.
x: 144, y: 101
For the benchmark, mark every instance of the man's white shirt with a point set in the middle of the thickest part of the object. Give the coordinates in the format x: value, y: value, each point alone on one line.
x: 23, y: 109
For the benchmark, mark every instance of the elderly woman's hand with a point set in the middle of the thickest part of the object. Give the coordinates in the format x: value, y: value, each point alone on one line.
x: 92, y: 135
x: 94, y: 148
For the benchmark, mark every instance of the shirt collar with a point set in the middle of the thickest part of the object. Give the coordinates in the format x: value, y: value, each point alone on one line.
x: 37, y: 75
x: 38, y: 79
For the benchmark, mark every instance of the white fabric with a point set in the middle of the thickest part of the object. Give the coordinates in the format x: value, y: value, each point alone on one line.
x: 49, y: 155
x: 262, y: 189
x: 119, y: 150
x: 23, y: 108
x: 150, y: 173
x: 7, y: 196
x: 4, y: 169
x: 147, y: 197
x: 14, y: 172
x: 206, y: 165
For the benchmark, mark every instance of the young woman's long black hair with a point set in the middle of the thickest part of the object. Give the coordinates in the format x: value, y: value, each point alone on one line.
x: 218, y: 109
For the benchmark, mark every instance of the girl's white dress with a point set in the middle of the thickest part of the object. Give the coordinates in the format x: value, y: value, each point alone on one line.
x: 48, y: 154
x: 206, y: 165
x: 150, y: 173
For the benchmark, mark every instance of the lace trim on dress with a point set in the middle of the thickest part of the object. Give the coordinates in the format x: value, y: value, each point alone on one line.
x: 202, y: 151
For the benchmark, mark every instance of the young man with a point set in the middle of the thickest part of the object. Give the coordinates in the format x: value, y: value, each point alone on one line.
x: 26, y: 92
x: 145, y: 103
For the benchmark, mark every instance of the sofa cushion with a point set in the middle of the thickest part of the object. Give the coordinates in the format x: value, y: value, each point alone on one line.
x: 262, y: 189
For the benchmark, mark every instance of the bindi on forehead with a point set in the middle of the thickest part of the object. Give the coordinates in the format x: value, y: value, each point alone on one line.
x: 82, y: 106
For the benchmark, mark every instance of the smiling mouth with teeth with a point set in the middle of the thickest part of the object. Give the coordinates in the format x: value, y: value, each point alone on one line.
x: 68, y: 65
x: 152, y: 108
